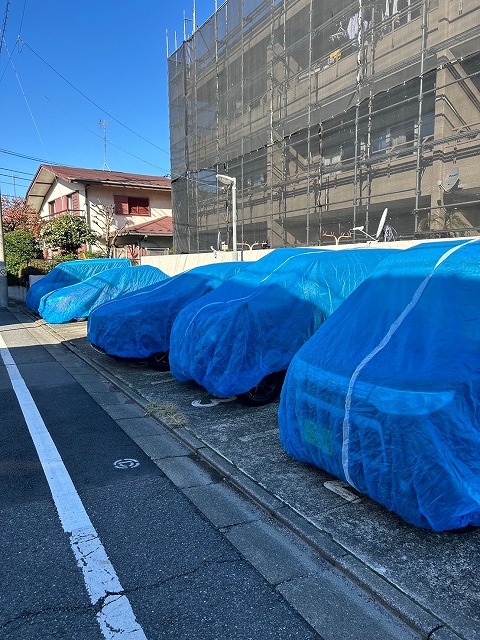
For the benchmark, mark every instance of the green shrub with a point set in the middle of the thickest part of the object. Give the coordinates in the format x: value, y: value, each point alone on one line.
x: 63, y: 257
x: 20, y: 247
x: 89, y: 254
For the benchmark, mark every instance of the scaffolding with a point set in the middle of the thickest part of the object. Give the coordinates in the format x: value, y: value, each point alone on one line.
x: 326, y: 113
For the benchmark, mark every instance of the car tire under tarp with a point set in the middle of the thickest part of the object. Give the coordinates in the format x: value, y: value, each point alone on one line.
x: 159, y: 361
x: 266, y: 391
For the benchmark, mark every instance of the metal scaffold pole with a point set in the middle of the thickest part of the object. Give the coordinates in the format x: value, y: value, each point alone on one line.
x: 368, y: 149
x: 418, y: 171
x: 359, y: 81
x: 309, y: 121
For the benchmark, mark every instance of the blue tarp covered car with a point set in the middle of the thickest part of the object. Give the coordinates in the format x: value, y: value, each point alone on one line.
x: 79, y: 300
x: 67, y: 273
x: 239, y: 339
x: 386, y: 395
x: 138, y: 325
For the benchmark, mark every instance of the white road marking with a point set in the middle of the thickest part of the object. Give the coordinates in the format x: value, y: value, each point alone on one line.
x: 126, y: 463
x: 115, y: 615
x: 198, y: 404
x: 341, y: 489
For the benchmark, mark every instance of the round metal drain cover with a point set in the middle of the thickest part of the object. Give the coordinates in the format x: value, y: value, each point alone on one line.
x: 126, y: 463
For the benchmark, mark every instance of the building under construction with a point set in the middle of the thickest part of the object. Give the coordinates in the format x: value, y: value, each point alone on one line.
x: 325, y: 112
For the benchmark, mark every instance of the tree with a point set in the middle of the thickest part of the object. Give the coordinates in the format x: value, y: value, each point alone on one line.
x: 104, y: 220
x: 17, y: 214
x: 67, y: 233
x: 445, y: 222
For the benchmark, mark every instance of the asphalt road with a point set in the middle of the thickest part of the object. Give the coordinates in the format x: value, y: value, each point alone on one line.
x: 180, y: 575
x: 102, y: 540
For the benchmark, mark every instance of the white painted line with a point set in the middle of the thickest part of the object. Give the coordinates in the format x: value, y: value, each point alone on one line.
x: 214, y: 402
x: 341, y: 489
x: 115, y: 615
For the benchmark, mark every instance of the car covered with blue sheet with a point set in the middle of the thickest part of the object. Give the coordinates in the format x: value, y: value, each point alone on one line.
x: 79, y: 300
x: 386, y: 395
x: 138, y: 325
x: 240, y: 339
x: 67, y: 273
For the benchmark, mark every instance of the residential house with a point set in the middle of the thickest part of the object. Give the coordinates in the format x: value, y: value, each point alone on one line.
x: 134, y: 208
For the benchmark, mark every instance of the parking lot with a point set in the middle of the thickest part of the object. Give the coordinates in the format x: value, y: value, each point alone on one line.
x: 428, y: 579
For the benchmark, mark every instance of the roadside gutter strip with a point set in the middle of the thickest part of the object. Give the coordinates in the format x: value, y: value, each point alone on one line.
x: 400, y: 604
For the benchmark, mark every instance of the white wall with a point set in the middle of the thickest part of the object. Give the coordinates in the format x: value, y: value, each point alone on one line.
x: 160, y: 202
x: 171, y: 265
x: 58, y: 190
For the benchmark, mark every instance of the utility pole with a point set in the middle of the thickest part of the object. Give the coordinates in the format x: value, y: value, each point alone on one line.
x: 3, y: 268
x: 103, y: 123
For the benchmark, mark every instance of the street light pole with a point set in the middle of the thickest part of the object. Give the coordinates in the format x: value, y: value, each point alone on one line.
x: 233, y: 182
x: 3, y: 268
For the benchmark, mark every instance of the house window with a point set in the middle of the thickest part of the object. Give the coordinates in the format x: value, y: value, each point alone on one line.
x: 51, y: 209
x: 131, y: 206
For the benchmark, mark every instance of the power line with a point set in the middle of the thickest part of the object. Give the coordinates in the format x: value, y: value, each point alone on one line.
x: 26, y: 102
x: 25, y: 157
x: 9, y: 175
x: 108, y: 139
x: 90, y: 100
x: 19, y: 32
x: 4, y: 25
x: 27, y: 173
x: 23, y: 15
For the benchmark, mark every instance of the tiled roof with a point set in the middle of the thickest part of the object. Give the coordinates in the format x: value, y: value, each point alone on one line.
x: 157, y: 227
x: 47, y: 174
x: 100, y: 176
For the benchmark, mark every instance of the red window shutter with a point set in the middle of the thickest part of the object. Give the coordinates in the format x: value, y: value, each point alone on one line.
x: 121, y: 205
x: 76, y: 201
x: 139, y: 206
x: 143, y: 207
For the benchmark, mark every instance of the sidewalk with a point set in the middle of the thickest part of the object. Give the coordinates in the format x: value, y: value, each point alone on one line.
x: 429, y: 580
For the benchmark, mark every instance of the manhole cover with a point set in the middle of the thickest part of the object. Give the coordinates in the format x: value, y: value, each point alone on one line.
x: 126, y: 463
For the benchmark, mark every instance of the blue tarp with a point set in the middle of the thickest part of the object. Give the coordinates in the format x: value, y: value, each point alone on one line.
x: 67, y: 273
x: 138, y: 325
x: 386, y: 395
x: 79, y: 300
x: 251, y: 326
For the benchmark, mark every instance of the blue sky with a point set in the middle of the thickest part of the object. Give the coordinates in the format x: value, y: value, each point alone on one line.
x: 114, y: 53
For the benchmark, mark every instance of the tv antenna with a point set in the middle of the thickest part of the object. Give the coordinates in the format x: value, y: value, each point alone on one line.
x: 103, y: 124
